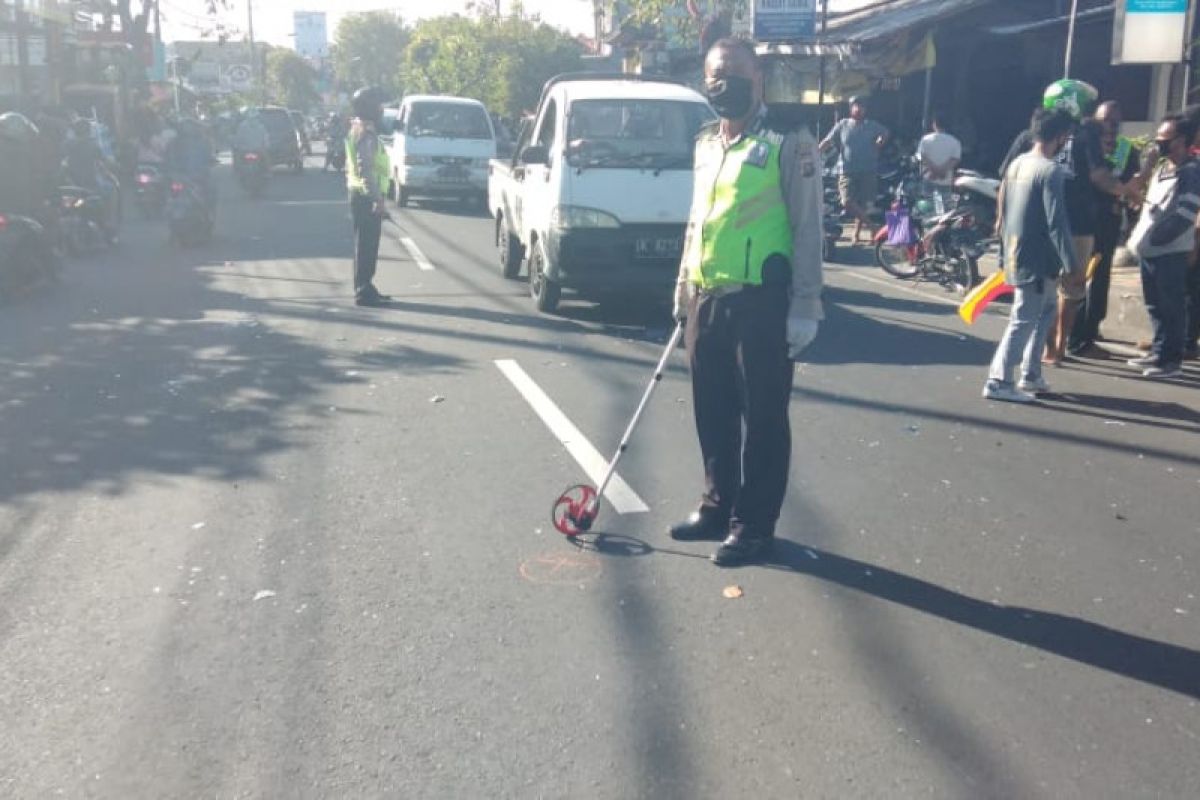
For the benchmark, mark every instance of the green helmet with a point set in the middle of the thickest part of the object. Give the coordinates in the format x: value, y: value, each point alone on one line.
x: 1074, y: 97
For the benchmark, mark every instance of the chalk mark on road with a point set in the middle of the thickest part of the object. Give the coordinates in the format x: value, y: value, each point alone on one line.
x: 623, y: 498
x: 422, y: 262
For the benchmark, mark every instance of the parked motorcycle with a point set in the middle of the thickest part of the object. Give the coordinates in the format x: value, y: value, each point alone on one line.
x: 921, y: 243
x: 190, y: 219
x: 980, y: 194
x: 252, y: 173
x: 336, y: 148
x: 831, y: 222
x: 27, y: 257
x: 151, y: 190
x: 84, y: 221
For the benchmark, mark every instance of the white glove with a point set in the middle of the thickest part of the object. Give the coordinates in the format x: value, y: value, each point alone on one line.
x: 683, y: 297
x: 800, y: 334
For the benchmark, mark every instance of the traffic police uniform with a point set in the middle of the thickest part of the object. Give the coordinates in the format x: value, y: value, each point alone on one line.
x: 368, y: 170
x: 751, y: 266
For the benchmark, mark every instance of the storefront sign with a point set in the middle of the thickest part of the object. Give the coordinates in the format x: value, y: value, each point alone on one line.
x: 784, y: 20
x: 1149, y: 31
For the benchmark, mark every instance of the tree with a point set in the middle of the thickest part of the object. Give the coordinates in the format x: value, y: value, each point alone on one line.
x: 368, y: 49
x: 502, y: 62
x: 291, y: 80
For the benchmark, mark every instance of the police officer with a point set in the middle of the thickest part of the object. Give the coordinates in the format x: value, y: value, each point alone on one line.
x: 749, y: 288
x: 368, y: 171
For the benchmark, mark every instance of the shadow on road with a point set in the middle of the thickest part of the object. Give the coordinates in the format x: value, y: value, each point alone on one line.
x: 1161, y: 664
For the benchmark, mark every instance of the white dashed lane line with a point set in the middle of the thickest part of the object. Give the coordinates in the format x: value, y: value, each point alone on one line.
x: 623, y: 498
x: 415, y: 252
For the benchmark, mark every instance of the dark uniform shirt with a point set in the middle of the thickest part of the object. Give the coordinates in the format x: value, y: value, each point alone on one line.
x: 1080, y: 155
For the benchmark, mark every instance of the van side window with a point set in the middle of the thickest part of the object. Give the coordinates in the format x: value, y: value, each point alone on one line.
x: 545, y: 136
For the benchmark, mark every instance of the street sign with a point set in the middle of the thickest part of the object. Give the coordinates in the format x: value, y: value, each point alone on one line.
x: 784, y: 20
x: 239, y: 77
x: 1149, y: 31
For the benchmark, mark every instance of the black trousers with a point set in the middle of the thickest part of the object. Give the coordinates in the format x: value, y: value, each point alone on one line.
x: 368, y: 229
x: 1095, y: 305
x: 1191, y: 336
x: 741, y: 386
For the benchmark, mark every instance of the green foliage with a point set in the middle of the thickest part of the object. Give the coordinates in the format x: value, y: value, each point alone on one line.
x: 368, y: 49
x: 291, y: 80
x: 502, y: 62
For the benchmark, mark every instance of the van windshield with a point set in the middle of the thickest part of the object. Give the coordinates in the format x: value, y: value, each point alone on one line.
x: 448, y: 121
x: 647, y: 134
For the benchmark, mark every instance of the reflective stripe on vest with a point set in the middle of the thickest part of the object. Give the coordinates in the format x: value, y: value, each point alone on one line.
x: 738, y: 217
x: 355, y: 182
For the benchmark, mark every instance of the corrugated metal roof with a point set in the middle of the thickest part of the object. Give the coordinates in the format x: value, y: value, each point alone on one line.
x: 874, y: 23
x: 849, y: 31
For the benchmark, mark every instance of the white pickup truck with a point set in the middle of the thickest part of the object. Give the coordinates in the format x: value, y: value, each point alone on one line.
x: 597, y: 194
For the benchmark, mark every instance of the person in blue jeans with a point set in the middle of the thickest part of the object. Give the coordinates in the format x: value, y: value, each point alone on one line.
x: 1036, y: 245
x: 1163, y: 239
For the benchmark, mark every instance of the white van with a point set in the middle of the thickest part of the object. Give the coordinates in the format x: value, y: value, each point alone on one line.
x: 597, y: 196
x: 440, y: 148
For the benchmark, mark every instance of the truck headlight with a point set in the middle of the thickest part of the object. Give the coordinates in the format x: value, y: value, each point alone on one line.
x: 580, y: 217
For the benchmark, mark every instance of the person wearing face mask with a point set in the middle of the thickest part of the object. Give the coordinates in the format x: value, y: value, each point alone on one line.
x: 1163, y: 240
x: 859, y: 141
x: 1035, y: 240
x: 749, y: 289
x: 368, y: 171
x: 1123, y: 159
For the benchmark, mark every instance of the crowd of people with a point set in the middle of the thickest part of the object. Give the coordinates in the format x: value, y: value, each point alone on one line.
x: 1073, y: 188
x: 1096, y: 185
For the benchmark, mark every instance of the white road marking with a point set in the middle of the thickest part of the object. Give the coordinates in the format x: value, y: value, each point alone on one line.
x: 623, y: 498
x: 416, y: 254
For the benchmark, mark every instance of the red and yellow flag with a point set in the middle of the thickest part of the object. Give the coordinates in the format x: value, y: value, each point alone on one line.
x: 983, y: 294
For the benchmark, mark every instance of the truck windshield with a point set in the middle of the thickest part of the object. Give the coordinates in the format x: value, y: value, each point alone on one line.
x: 449, y: 121
x: 642, y: 134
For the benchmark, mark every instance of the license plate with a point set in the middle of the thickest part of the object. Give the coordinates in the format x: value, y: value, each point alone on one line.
x: 452, y: 175
x: 658, y: 247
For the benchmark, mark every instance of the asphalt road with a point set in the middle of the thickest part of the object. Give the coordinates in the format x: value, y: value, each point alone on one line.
x: 256, y: 542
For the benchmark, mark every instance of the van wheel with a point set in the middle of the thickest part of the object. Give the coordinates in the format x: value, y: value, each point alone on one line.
x: 399, y: 194
x: 545, y: 292
x: 510, y: 250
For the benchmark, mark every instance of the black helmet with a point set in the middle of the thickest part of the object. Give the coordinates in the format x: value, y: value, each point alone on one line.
x: 367, y: 103
x: 17, y: 127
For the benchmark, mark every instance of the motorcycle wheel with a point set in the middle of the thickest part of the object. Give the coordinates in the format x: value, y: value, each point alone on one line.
x: 899, y: 261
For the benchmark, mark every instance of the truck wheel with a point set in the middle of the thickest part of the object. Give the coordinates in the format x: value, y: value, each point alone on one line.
x: 510, y: 250
x: 544, y: 291
x: 399, y: 194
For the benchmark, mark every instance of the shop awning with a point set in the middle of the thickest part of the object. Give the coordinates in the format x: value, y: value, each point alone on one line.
x: 850, y: 31
x: 1016, y: 29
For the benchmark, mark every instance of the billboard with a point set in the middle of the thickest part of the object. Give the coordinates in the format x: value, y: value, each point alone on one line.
x: 1149, y: 31
x: 312, y: 35
x: 784, y: 20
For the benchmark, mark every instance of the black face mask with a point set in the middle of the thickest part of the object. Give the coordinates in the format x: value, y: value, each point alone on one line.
x: 732, y: 97
x: 1164, y: 147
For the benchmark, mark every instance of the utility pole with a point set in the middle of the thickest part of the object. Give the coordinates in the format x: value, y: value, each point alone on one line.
x: 254, y: 77
x: 22, y: 27
x: 497, y: 9
x: 1071, y: 38
x: 821, y: 78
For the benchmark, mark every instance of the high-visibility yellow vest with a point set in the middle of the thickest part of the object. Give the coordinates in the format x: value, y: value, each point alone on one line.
x: 738, y: 218
x: 383, y: 167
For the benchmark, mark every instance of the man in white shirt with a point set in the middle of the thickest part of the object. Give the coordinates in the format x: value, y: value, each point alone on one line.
x: 939, y: 154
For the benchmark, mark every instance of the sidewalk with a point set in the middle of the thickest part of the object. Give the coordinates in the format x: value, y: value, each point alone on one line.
x: 1127, y: 320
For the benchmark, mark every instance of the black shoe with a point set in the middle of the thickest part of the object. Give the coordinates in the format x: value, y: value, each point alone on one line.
x: 372, y: 300
x: 700, y: 527
x: 737, y: 551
